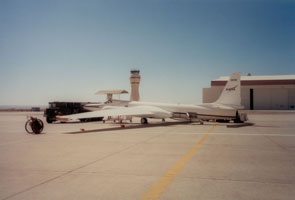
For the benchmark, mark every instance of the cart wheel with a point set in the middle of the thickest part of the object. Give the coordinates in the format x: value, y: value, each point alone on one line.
x: 37, y: 126
x: 28, y: 126
x: 34, y: 125
x: 42, y: 125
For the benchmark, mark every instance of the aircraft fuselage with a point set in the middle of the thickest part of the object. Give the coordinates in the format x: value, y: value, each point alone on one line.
x: 191, y: 111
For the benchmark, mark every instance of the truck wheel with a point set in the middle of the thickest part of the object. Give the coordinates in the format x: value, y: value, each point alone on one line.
x: 48, y: 120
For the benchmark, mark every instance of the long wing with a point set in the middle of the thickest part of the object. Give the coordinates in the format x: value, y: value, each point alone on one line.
x: 225, y: 107
x: 136, y: 111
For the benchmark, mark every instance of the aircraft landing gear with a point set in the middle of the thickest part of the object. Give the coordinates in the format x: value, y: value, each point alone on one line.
x: 237, y: 119
x: 163, y: 120
x: 143, y: 121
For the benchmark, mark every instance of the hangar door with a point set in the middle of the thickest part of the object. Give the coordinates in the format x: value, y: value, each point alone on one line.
x: 279, y: 99
x: 262, y: 98
x: 271, y: 99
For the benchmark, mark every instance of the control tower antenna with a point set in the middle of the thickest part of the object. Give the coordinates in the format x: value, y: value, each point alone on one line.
x: 134, y: 81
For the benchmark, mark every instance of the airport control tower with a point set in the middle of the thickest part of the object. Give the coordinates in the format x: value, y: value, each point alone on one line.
x: 134, y: 81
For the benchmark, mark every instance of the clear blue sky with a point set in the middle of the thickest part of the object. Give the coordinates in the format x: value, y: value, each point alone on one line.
x: 69, y: 49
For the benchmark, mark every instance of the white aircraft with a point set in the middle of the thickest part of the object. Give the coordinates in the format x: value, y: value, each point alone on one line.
x: 225, y: 108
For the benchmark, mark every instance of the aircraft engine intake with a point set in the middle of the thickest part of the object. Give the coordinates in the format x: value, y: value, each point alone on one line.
x: 189, y: 115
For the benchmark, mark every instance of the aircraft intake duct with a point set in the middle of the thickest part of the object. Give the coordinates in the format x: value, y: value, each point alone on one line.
x: 189, y: 115
x: 192, y: 115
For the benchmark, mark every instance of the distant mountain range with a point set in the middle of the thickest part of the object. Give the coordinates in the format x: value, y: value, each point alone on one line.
x: 21, y: 107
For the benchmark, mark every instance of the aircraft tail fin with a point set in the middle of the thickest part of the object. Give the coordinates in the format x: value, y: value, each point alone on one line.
x: 231, y: 94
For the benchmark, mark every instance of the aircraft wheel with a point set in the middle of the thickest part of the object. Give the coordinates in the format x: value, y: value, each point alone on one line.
x: 48, y: 120
x: 144, y: 121
x: 237, y: 121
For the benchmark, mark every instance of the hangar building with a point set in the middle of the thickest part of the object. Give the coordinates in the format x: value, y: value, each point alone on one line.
x: 259, y: 92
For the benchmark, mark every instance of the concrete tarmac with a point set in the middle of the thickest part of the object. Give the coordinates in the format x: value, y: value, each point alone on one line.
x: 159, y: 161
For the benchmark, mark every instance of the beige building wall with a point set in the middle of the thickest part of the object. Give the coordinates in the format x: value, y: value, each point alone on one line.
x: 245, y: 97
x: 265, y: 98
x: 279, y: 99
x: 262, y: 98
x: 211, y: 94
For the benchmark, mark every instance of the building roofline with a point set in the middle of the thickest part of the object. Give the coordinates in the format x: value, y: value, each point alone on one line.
x: 252, y: 78
x: 256, y: 82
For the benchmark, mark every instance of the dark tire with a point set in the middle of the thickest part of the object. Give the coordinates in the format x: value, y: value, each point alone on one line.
x: 42, y: 124
x: 28, y: 126
x: 34, y: 126
x: 144, y: 121
x: 49, y: 121
x: 238, y: 121
x: 37, y: 126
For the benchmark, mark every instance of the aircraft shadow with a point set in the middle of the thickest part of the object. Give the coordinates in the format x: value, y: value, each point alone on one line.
x: 128, y: 126
x: 267, y: 126
x: 132, y: 126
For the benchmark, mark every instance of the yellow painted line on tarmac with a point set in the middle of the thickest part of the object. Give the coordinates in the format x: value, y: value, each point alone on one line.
x: 156, y: 190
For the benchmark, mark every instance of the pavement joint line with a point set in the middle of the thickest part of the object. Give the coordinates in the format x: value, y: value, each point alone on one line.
x: 238, y: 134
x: 85, y: 165
x: 158, y: 188
x: 246, y: 181
x: 276, y: 143
x: 213, y: 179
